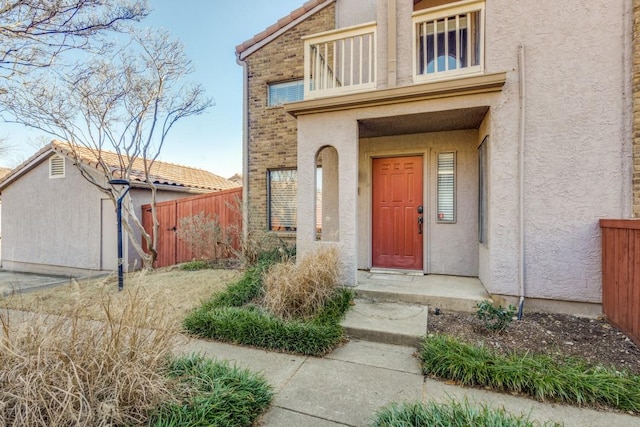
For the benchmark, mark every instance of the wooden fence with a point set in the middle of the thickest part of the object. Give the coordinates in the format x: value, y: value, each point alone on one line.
x: 224, y: 206
x: 621, y: 275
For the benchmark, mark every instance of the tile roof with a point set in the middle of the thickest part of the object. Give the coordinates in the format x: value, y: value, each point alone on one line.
x: 162, y: 173
x: 4, y: 172
x: 282, y: 22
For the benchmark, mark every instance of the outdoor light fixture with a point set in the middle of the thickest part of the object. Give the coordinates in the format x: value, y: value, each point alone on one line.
x: 126, y: 184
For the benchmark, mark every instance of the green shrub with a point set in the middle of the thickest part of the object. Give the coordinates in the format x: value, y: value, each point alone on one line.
x: 453, y: 414
x: 232, y: 316
x: 195, y: 265
x: 219, y: 395
x: 539, y: 376
x: 495, y: 318
x: 251, y: 325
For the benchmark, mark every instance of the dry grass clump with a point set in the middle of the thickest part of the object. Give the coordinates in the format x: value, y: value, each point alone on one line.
x: 61, y: 371
x: 299, y: 290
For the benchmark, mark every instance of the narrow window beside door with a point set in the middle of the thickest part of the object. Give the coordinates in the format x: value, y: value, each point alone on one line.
x: 446, y: 209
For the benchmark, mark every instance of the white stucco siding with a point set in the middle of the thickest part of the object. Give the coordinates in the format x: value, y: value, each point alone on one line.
x: 575, y: 133
x: 350, y: 13
x: 51, y: 222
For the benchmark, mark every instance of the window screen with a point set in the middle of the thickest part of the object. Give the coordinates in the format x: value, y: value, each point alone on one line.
x: 283, y: 185
x: 280, y: 93
x: 446, y: 187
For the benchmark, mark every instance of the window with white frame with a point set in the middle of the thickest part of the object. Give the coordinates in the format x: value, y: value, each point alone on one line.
x: 282, y: 189
x: 56, y: 167
x: 482, y: 191
x: 281, y: 93
x: 446, y: 191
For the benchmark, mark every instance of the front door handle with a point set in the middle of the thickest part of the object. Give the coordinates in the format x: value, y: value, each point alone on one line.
x: 420, y: 221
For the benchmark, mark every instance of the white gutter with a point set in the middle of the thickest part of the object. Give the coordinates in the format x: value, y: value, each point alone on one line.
x: 523, y: 99
x: 245, y: 147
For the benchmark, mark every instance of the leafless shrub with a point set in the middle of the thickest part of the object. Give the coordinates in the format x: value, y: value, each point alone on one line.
x: 63, y: 371
x: 299, y: 290
x: 206, y: 238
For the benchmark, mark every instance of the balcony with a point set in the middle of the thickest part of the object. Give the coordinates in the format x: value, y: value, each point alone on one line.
x: 340, y: 61
x: 449, y: 41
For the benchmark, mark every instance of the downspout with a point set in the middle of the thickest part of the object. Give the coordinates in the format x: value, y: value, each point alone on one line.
x: 245, y: 148
x: 523, y: 98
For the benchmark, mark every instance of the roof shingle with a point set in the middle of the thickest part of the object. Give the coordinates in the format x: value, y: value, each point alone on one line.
x: 282, y: 22
x: 161, y: 172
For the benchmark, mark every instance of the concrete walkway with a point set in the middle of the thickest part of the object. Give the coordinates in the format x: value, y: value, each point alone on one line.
x: 11, y: 282
x: 347, y: 387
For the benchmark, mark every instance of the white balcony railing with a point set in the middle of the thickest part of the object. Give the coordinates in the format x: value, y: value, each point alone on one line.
x: 340, y: 61
x: 449, y: 41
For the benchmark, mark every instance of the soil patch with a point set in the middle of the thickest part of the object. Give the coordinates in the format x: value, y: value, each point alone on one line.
x: 557, y: 335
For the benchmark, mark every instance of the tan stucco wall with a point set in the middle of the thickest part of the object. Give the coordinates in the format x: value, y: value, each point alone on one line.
x: 577, y: 156
x: 271, y: 131
x: 49, y: 223
x: 448, y: 248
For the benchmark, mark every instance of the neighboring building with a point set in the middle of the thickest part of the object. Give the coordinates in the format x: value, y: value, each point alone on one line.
x: 471, y: 138
x: 55, y: 221
x: 3, y: 172
x: 236, y: 179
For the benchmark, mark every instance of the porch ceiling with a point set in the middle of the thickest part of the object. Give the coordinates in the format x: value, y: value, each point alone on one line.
x: 436, y: 121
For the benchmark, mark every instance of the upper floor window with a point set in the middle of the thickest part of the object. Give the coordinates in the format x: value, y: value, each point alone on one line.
x: 280, y: 93
x: 56, y: 167
x: 449, y: 41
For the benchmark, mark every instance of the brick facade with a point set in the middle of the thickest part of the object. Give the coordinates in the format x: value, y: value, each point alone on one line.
x: 636, y: 108
x: 273, y: 132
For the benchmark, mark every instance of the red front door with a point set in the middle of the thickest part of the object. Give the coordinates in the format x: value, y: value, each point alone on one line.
x: 397, y: 198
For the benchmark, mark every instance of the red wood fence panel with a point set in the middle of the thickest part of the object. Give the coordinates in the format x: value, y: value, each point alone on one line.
x: 621, y: 275
x: 223, y: 206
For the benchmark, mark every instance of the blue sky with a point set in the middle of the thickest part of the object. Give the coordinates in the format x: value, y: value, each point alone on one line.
x: 210, y: 31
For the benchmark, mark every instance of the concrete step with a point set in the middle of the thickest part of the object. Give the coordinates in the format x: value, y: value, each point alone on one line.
x: 447, y: 292
x: 386, y: 322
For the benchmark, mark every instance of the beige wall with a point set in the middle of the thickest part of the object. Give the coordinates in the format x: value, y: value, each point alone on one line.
x: 448, y: 248
x: 51, y: 225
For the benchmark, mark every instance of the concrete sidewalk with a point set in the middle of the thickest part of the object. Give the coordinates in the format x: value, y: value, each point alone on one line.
x: 347, y: 387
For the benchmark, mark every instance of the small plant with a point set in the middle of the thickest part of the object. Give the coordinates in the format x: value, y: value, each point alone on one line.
x: 495, y: 318
x: 452, y: 414
x: 196, y: 264
x: 541, y: 377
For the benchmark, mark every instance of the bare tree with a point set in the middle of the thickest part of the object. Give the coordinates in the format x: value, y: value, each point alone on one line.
x: 33, y: 33
x: 127, y: 104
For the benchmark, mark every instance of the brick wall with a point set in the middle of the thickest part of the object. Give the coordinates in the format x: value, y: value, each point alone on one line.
x: 272, y: 132
x: 636, y: 108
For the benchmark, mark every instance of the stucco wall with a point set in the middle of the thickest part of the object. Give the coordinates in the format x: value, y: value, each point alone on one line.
x: 576, y: 138
x: 354, y: 13
x: 448, y: 248
x: 51, y: 222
